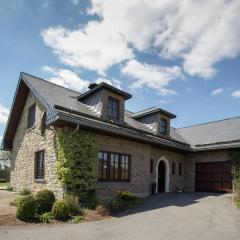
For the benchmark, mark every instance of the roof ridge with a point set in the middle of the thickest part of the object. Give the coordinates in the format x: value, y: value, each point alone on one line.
x: 154, y: 107
x: 199, y: 124
x: 50, y: 82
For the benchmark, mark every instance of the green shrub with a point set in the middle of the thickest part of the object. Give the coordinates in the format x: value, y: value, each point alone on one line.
x: 2, y: 180
x: 60, y: 210
x: 25, y: 192
x: 26, y: 208
x: 114, y: 205
x: 45, y: 200
x: 9, y: 188
x: 72, y: 203
x: 102, y: 210
x: 92, y: 201
x: 45, y: 217
x: 16, y: 200
x: 126, y: 196
x: 77, y: 219
x: 82, y: 211
x: 238, y: 204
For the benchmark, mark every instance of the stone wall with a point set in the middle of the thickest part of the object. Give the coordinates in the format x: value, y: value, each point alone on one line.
x: 175, y: 180
x: 192, y: 159
x: 28, y: 141
x: 140, y: 174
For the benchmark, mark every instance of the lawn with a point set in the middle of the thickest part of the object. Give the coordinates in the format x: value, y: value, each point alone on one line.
x: 238, y: 204
x: 4, y: 184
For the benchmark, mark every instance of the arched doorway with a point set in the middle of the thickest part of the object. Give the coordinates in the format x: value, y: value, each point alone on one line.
x: 162, y: 175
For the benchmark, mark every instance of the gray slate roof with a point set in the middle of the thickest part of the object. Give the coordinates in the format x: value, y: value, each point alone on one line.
x: 219, y: 134
x: 212, y: 133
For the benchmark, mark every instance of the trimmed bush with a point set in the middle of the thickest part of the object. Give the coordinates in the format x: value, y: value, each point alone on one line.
x: 60, y: 210
x: 45, y: 200
x: 45, y: 217
x: 9, y: 188
x: 2, y: 180
x: 25, y: 192
x: 102, y: 210
x: 72, y: 203
x: 26, y: 208
x: 126, y: 196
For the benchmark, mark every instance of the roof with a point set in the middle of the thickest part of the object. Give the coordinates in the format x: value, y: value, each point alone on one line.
x: 96, y: 87
x: 62, y: 104
x: 224, y: 132
x: 151, y: 111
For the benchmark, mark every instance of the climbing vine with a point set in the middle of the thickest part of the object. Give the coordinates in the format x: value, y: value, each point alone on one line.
x: 77, y: 162
x: 235, y: 160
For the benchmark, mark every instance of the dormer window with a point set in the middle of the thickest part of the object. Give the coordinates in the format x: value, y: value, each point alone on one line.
x: 163, y: 126
x: 113, y: 108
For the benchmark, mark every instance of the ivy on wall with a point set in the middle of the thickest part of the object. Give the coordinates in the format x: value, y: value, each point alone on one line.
x: 235, y: 160
x: 77, y: 162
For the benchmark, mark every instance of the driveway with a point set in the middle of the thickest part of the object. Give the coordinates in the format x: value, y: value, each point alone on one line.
x: 189, y: 216
x: 5, y: 198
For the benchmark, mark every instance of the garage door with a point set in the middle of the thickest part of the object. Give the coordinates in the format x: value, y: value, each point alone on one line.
x: 213, y: 177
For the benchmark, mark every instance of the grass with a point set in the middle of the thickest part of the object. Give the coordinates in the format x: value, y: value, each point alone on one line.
x: 238, y: 204
x: 4, y: 184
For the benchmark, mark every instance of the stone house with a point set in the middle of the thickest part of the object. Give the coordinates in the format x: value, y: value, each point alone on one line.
x: 139, y: 152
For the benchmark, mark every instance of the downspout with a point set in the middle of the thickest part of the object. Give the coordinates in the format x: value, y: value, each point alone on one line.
x: 77, y: 128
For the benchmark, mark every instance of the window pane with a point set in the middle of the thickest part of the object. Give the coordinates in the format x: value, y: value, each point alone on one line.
x: 39, y: 165
x: 31, y: 116
x: 113, y: 108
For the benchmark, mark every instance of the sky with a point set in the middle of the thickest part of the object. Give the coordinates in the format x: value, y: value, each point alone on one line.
x: 183, y: 56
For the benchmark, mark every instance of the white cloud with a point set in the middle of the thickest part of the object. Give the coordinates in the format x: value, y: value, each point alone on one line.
x: 113, y: 82
x: 236, y: 94
x: 151, y: 76
x: 198, y: 33
x: 66, y: 78
x: 217, y: 91
x: 4, y: 112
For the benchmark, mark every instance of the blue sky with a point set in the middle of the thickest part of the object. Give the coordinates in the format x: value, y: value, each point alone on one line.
x: 182, y: 58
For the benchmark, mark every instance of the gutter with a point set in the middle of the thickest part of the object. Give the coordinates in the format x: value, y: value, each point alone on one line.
x: 86, y: 122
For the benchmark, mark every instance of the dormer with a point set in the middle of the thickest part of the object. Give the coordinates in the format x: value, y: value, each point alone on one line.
x: 106, y: 101
x: 156, y: 119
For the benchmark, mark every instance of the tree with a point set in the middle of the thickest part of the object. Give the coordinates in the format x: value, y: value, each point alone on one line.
x: 5, y: 157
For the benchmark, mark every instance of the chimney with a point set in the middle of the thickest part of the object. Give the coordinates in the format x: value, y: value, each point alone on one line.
x: 92, y: 86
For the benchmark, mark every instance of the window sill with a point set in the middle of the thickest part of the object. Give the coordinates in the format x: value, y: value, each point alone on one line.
x: 39, y: 180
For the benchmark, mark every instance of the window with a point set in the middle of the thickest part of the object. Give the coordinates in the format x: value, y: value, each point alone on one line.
x: 180, y: 168
x: 113, y: 167
x: 31, y: 116
x: 173, y: 168
x: 151, y: 165
x: 39, y: 165
x: 113, y: 108
x: 163, y: 126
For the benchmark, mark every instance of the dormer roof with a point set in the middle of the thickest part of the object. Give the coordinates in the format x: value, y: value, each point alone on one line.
x: 95, y: 87
x: 152, y: 110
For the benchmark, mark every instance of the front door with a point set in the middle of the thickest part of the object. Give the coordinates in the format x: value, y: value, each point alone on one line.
x: 161, y: 177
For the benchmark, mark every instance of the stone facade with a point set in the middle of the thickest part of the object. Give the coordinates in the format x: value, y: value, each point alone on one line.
x: 28, y: 141
x: 25, y: 144
x: 192, y: 159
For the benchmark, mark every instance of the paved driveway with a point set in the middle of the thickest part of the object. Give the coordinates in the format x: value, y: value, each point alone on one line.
x: 189, y: 216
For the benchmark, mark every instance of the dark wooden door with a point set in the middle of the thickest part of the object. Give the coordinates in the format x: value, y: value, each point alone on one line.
x: 161, y: 177
x: 213, y: 177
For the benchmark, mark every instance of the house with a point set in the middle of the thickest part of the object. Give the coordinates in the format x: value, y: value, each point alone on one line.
x: 139, y: 151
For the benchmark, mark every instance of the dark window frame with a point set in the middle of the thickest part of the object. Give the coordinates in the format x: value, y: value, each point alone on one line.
x: 39, y: 164
x: 163, y: 126
x: 173, y: 168
x: 113, y: 109
x: 105, y: 171
x: 180, y: 168
x: 31, y: 118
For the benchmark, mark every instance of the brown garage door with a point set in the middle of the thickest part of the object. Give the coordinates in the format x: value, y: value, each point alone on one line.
x: 213, y: 177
